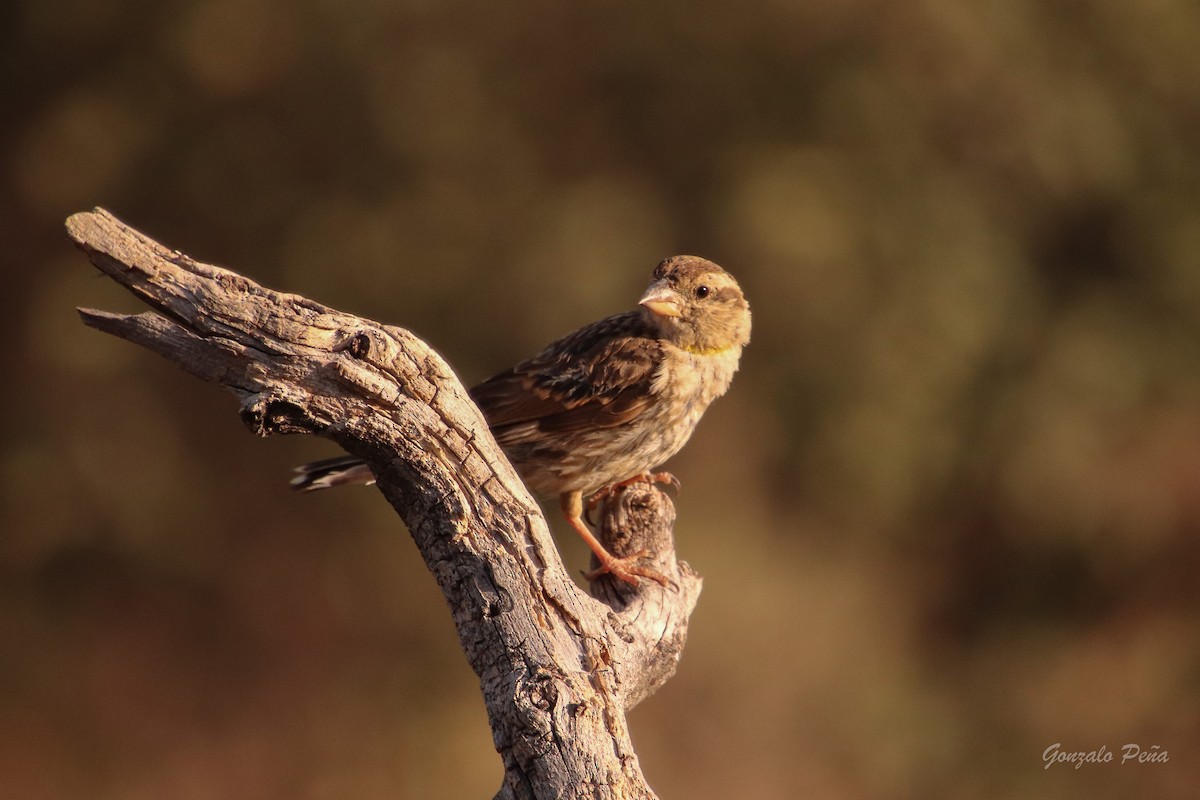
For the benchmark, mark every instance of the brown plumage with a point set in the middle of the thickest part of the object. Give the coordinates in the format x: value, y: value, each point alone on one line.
x: 611, y: 401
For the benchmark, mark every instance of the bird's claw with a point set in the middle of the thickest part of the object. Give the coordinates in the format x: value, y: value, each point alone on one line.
x: 627, y: 569
x: 666, y: 478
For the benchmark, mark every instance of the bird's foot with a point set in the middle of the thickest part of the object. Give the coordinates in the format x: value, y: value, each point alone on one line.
x: 627, y: 569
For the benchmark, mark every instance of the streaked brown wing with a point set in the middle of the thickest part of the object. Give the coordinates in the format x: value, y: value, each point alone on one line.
x: 598, y: 377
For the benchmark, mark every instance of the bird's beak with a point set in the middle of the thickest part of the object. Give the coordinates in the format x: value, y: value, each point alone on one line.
x: 661, y: 299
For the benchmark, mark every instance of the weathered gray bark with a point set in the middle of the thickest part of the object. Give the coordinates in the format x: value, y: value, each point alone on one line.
x: 558, y: 667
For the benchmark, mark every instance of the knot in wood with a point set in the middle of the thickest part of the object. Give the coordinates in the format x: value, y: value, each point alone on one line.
x: 539, y: 690
x: 267, y: 415
x: 357, y: 344
x: 638, y: 517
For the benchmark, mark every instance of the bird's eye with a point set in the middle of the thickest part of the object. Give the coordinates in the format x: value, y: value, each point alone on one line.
x: 702, y: 291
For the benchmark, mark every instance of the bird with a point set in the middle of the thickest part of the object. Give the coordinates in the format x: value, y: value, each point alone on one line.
x: 604, y: 406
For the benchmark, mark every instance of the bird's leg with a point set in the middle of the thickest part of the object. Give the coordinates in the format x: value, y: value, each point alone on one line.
x: 608, y: 491
x: 625, y: 568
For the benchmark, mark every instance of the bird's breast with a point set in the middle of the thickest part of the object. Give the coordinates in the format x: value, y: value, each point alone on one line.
x: 688, y: 382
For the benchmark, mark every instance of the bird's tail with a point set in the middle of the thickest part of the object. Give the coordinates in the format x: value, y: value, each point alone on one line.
x: 330, y: 472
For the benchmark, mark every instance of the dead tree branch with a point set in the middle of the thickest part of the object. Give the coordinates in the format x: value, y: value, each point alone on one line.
x: 558, y: 668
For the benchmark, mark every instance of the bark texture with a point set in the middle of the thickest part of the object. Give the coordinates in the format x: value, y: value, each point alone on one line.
x: 558, y: 667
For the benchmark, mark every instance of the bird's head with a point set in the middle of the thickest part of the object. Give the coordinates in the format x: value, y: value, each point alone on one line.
x: 697, y: 305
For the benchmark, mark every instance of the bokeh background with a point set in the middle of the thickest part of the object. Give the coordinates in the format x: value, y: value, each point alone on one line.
x: 948, y: 515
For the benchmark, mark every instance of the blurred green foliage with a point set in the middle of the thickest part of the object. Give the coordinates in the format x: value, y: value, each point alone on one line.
x: 948, y: 514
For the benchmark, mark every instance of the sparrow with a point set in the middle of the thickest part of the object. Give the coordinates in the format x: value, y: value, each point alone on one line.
x: 605, y: 405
